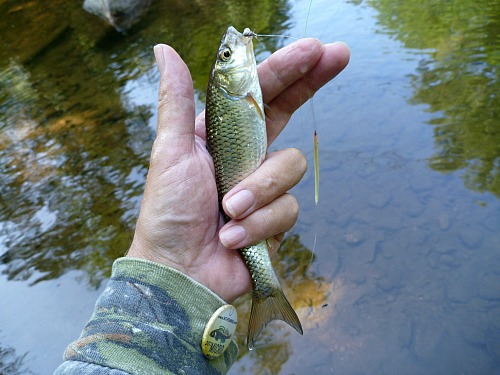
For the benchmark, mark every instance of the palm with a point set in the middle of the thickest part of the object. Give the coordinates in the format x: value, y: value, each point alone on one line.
x: 180, y: 220
x: 187, y: 222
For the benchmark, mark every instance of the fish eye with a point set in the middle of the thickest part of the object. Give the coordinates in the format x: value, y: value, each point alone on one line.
x: 225, y: 54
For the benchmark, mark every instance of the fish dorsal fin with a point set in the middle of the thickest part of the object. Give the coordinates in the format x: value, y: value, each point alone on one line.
x: 250, y: 98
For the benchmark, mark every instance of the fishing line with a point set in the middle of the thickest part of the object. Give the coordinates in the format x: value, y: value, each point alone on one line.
x: 327, y: 27
x: 303, y: 100
x: 276, y: 36
x: 307, y: 18
x: 315, y: 137
x: 315, y: 148
x: 312, y: 256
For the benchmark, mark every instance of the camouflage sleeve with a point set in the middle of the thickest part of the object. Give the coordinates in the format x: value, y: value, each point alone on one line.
x: 149, y: 320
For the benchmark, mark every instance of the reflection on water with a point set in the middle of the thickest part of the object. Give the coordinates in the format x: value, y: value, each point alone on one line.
x: 74, y: 151
x: 459, y: 80
x: 121, y: 14
x: 405, y: 268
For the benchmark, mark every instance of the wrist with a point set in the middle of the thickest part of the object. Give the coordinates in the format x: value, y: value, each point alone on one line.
x: 141, y: 249
x: 228, y: 285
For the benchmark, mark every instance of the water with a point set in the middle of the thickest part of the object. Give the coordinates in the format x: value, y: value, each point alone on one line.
x: 405, y: 276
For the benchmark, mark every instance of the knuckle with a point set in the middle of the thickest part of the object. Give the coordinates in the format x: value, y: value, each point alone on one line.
x: 269, y: 182
x: 277, y: 217
x: 299, y: 159
x: 302, y: 162
x: 292, y: 207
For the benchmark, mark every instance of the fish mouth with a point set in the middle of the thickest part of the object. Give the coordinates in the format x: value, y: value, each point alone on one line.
x: 233, y: 36
x: 248, y: 35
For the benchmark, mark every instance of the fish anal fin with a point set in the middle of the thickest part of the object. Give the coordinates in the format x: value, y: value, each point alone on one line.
x: 265, y: 310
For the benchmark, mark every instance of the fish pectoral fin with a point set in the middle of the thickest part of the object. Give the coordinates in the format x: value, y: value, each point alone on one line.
x: 264, y: 310
x: 250, y: 98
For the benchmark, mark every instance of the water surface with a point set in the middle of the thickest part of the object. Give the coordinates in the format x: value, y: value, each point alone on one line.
x: 396, y: 270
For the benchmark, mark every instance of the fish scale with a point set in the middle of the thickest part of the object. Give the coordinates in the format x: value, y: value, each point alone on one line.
x: 237, y: 142
x: 240, y: 145
x: 258, y: 264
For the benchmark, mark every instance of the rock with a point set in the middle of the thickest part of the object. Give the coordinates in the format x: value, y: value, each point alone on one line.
x: 492, y: 222
x: 389, y: 222
x: 443, y: 258
x: 405, y: 334
x: 379, y: 199
x: 473, y: 333
x: 121, y: 14
x: 489, y: 286
x: 421, y: 181
x: 493, y: 342
x: 459, y: 290
x: 444, y: 221
x: 471, y: 236
x: 412, y: 206
x: 427, y: 340
x: 390, y: 282
x: 354, y: 237
x: 368, y: 250
x: 340, y: 220
x: 390, y: 248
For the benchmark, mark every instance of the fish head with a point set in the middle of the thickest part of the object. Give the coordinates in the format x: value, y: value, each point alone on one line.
x: 235, y: 68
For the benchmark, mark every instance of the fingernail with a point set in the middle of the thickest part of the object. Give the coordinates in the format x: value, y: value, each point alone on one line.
x: 240, y: 202
x: 160, y: 58
x: 232, y: 236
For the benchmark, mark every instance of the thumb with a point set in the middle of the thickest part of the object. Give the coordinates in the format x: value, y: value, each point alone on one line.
x: 176, y: 108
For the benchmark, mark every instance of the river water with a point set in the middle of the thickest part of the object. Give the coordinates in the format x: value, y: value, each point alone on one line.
x: 397, y: 270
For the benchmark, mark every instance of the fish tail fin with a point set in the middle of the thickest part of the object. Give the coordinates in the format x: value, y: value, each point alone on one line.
x: 264, y: 310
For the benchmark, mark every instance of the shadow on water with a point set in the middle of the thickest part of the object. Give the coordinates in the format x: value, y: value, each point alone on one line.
x: 74, y: 149
x: 458, y: 78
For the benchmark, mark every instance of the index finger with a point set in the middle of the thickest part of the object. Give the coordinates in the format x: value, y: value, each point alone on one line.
x: 290, y: 76
x: 287, y: 65
x: 293, y: 74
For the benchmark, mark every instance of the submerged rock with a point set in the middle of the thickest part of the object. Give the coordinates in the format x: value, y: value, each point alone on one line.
x: 488, y: 286
x: 121, y: 14
x: 429, y: 338
x: 471, y: 236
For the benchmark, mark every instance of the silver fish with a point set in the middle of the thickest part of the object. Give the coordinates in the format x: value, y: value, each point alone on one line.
x: 237, y: 141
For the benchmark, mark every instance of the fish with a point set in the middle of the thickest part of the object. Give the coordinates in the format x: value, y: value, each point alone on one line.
x: 237, y: 141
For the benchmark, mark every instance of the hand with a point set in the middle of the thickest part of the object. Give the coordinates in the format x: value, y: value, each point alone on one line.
x: 179, y: 223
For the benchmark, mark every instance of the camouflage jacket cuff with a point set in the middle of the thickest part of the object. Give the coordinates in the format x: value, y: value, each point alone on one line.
x: 150, y: 319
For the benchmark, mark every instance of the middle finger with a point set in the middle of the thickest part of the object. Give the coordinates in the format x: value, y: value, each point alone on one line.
x: 266, y: 184
x: 277, y: 217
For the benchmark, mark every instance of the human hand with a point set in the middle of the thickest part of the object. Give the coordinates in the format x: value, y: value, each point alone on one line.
x: 179, y: 224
